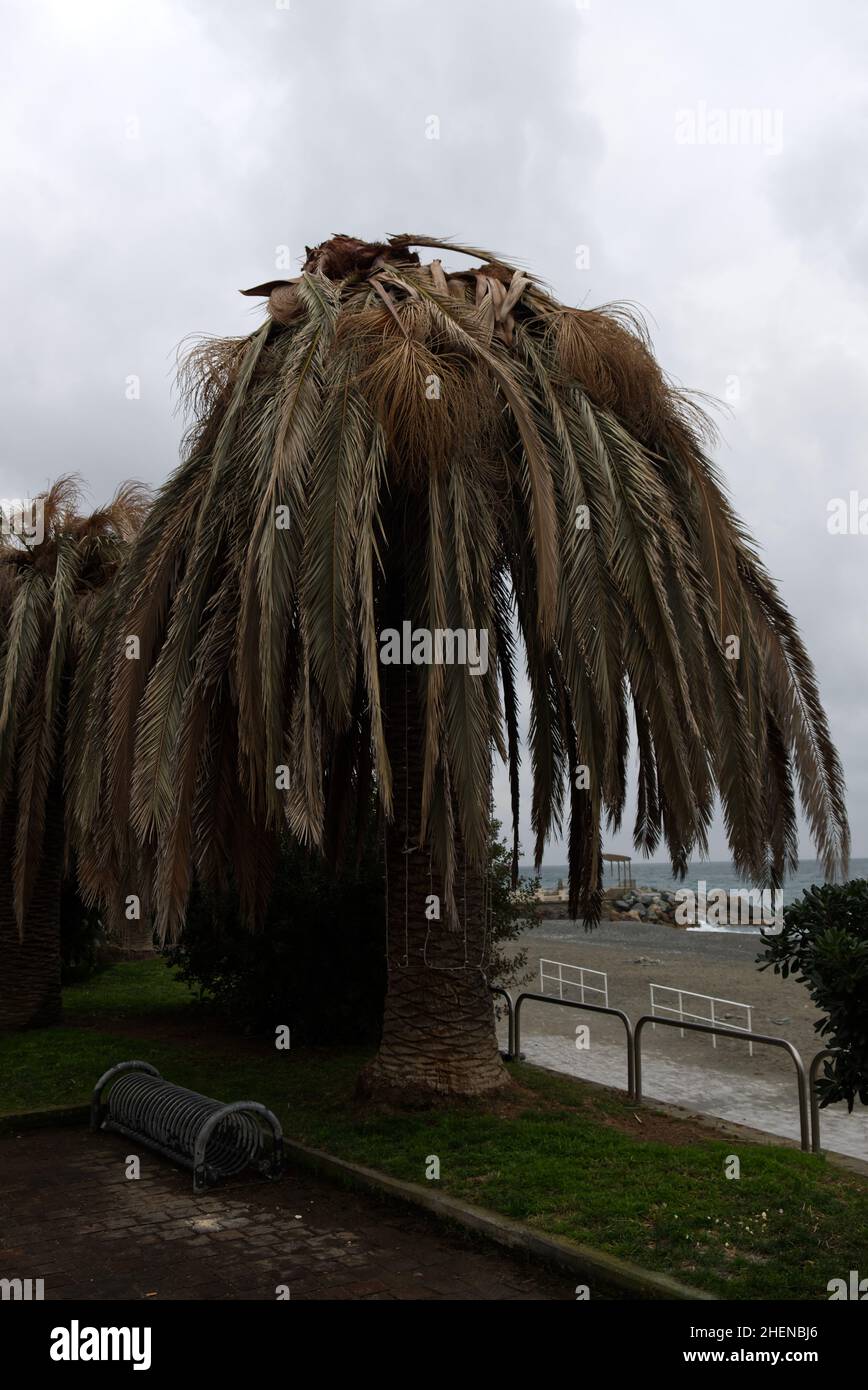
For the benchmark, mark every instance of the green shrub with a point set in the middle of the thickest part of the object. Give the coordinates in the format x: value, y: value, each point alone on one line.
x: 511, y: 914
x: 824, y: 943
x: 81, y: 935
x: 318, y: 965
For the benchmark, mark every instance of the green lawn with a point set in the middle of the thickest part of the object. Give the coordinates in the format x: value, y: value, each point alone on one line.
x: 565, y: 1158
x: 143, y: 988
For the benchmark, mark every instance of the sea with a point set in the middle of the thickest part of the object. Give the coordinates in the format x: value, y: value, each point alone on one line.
x: 717, y: 873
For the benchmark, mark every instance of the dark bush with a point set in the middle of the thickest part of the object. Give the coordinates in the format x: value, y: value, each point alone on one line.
x: 81, y: 935
x: 824, y: 943
x: 318, y: 964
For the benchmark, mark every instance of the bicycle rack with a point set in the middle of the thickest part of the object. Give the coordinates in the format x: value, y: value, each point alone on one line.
x: 588, y: 1008
x: 212, y: 1139
x: 801, y: 1079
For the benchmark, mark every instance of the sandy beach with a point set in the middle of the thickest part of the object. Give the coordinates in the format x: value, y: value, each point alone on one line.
x: 716, y: 963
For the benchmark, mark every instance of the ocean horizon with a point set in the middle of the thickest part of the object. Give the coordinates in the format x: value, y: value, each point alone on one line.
x: 717, y: 873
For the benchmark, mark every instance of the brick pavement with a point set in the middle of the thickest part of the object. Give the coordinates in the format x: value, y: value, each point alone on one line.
x: 69, y: 1215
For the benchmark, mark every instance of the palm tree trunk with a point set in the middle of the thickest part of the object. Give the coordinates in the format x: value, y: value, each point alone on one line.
x: 30, y: 966
x: 438, y: 1027
x: 137, y: 941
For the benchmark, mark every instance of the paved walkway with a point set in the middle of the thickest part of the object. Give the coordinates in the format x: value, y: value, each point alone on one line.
x: 768, y: 1103
x: 69, y: 1215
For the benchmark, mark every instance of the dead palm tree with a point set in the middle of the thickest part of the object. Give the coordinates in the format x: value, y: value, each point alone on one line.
x: 462, y: 453
x: 54, y: 578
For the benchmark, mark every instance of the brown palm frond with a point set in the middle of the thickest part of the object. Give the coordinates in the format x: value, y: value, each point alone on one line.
x: 434, y: 438
x: 57, y: 587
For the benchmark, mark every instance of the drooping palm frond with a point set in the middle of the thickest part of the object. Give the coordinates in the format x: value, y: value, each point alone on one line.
x: 461, y: 451
x: 55, y: 581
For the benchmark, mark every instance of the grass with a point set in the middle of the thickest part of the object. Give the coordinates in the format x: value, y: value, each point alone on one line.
x: 129, y: 988
x: 565, y: 1158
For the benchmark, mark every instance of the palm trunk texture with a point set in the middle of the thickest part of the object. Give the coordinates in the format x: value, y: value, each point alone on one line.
x: 30, y: 964
x: 438, y: 1028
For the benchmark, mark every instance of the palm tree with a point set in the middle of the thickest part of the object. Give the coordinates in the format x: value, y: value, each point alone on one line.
x: 54, y: 579
x: 462, y: 454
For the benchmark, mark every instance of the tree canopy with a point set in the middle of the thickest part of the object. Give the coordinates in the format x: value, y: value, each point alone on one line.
x: 541, y: 480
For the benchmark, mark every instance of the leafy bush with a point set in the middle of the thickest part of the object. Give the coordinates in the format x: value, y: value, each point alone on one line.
x: 824, y: 943
x: 511, y: 914
x: 81, y: 935
x: 318, y: 965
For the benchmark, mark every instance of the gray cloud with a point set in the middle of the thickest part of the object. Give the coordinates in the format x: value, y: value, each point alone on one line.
x: 156, y: 156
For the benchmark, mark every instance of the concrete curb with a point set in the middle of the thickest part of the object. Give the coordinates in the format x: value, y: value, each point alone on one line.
x: 45, y: 1119
x: 592, y: 1266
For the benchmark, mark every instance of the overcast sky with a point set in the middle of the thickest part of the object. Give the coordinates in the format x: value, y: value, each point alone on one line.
x: 156, y: 156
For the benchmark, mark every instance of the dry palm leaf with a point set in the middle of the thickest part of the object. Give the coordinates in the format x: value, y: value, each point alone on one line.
x: 527, y: 470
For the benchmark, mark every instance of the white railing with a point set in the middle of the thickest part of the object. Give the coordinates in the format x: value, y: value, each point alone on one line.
x: 569, y: 981
x: 711, y: 1000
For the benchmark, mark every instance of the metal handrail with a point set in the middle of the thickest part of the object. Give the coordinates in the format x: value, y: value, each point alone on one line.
x: 589, y: 1008
x: 701, y: 1018
x: 815, y: 1100
x: 728, y: 1033
x: 510, y: 1010
x: 573, y: 984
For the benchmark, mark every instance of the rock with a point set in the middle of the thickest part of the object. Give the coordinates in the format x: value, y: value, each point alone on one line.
x: 634, y: 915
x: 550, y: 911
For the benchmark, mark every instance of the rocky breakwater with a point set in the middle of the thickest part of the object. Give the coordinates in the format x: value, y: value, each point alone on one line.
x: 644, y: 905
x: 619, y: 905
